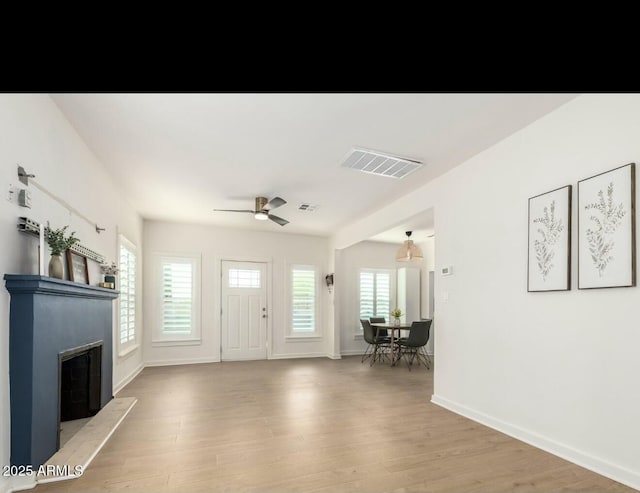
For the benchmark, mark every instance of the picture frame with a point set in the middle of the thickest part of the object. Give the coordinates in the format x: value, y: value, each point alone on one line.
x: 549, y: 241
x: 607, y: 229
x: 78, y: 267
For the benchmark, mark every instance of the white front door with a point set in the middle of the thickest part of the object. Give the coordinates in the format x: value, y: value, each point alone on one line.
x: 244, y: 311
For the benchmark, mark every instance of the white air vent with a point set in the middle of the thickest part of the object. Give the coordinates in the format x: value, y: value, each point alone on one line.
x: 307, y: 207
x: 377, y: 163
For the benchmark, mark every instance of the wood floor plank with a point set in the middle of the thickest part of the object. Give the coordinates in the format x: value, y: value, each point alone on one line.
x: 312, y: 425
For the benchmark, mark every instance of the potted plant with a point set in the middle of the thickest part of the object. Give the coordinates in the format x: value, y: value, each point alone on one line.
x: 109, y: 271
x: 396, y: 313
x: 58, y: 243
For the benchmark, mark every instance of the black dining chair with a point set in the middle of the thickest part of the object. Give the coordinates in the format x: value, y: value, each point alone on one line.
x: 376, y: 345
x: 379, y: 320
x: 414, y: 346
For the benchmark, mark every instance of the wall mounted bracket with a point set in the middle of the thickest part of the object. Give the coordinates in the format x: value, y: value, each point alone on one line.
x: 23, y: 176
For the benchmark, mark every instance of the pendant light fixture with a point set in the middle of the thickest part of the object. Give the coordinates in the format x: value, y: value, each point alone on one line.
x: 409, y: 252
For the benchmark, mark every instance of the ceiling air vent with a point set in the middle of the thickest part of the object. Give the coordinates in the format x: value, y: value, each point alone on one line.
x: 378, y: 163
x: 307, y: 207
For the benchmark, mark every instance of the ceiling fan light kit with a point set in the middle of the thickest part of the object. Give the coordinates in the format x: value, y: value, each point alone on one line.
x: 409, y: 251
x: 263, y: 206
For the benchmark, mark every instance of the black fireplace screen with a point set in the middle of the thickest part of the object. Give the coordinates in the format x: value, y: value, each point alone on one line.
x: 80, y: 382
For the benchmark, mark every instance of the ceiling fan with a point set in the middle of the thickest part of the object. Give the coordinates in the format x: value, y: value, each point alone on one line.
x: 262, y: 210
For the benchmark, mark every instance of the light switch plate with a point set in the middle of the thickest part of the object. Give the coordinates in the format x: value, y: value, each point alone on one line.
x: 24, y: 198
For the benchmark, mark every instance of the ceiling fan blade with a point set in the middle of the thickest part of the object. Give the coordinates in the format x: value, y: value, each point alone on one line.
x: 278, y: 220
x: 276, y: 202
x: 234, y: 210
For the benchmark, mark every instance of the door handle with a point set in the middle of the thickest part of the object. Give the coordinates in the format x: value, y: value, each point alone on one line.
x: 264, y: 315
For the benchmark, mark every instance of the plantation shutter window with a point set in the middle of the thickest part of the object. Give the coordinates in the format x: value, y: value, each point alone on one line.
x: 383, y: 295
x: 177, y: 297
x: 127, y: 287
x: 367, y: 294
x: 375, y: 293
x: 303, y: 300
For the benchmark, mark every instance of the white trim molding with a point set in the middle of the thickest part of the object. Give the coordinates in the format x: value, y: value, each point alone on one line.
x: 128, y: 379
x: 595, y: 464
x: 185, y: 361
x: 352, y: 352
x: 298, y: 355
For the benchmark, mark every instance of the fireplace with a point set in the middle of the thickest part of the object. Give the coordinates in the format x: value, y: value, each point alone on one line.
x: 79, y: 372
x: 57, y: 328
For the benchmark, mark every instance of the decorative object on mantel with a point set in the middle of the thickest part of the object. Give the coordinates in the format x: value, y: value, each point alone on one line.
x: 58, y: 243
x: 549, y: 267
x: 606, y: 229
x: 78, y: 268
x: 396, y: 313
x: 109, y: 271
x: 26, y: 225
x: 409, y: 252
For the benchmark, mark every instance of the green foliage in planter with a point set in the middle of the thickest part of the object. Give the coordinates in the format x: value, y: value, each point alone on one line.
x: 57, y: 241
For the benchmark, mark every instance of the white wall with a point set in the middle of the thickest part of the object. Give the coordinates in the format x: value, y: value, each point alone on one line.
x: 428, y: 249
x: 215, y: 244
x: 34, y: 133
x: 558, y: 369
x: 366, y: 254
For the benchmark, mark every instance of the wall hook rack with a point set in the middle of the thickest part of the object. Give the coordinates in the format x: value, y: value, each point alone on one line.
x: 23, y: 176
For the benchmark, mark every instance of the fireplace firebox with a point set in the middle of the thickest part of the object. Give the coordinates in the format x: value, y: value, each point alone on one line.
x: 79, y: 372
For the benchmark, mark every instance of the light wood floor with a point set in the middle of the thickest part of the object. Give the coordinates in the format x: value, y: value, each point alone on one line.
x: 310, y: 425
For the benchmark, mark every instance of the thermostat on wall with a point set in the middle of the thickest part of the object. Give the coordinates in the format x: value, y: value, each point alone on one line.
x: 447, y: 271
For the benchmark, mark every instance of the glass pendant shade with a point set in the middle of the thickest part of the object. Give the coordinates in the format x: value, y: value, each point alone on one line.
x: 409, y: 252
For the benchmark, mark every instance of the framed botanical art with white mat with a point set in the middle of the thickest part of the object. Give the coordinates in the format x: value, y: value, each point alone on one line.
x: 606, y: 229
x: 549, y: 267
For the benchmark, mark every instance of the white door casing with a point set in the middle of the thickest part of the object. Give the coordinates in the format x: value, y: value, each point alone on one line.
x: 243, y: 318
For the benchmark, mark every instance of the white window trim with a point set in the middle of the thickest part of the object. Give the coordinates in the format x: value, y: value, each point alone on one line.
x: 392, y: 295
x: 158, y: 339
x: 124, y: 349
x: 316, y: 335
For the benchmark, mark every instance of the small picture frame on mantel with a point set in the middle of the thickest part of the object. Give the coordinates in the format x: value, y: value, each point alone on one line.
x: 78, y: 267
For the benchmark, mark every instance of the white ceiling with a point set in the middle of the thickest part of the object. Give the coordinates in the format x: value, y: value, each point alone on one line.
x: 421, y: 227
x: 178, y: 156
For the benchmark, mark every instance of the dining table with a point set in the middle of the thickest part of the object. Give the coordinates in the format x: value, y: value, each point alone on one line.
x: 391, y: 327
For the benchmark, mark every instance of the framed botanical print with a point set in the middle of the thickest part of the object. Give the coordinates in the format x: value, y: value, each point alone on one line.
x: 549, y: 254
x: 606, y: 229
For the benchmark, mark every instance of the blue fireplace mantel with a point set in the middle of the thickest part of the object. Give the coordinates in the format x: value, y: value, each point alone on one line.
x: 49, y: 316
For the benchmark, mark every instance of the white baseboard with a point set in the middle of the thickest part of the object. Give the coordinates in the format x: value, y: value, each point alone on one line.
x: 334, y: 356
x: 595, y: 464
x: 298, y: 355
x: 186, y: 361
x: 126, y: 380
x: 352, y: 352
